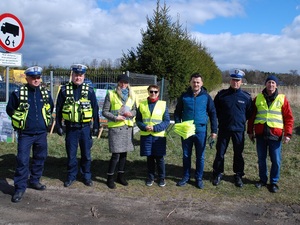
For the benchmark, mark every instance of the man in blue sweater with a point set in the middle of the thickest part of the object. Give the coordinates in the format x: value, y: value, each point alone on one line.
x: 197, y: 105
x: 234, y: 107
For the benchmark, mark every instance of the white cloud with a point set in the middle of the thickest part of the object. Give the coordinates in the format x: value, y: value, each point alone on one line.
x: 62, y: 32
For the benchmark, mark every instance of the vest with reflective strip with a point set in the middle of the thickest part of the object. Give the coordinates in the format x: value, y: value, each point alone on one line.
x: 116, y: 105
x: 77, y: 111
x: 152, y: 119
x: 20, y: 115
x: 273, y: 115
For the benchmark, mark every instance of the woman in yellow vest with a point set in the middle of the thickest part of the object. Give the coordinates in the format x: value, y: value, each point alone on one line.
x: 153, y: 119
x: 119, y: 108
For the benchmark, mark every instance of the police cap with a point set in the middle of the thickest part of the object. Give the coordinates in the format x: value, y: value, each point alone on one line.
x: 78, y: 68
x: 33, y: 71
x: 237, y: 74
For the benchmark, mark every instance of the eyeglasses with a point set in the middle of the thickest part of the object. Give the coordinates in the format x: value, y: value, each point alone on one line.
x: 151, y: 92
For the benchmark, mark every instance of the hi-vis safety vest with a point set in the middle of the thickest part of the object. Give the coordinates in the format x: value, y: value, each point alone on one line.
x: 273, y: 115
x: 155, y: 118
x: 80, y: 111
x: 116, y: 105
x: 20, y: 114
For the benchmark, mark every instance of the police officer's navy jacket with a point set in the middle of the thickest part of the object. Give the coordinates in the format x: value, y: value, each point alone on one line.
x: 35, y: 123
x: 77, y: 94
x: 233, y: 107
x: 197, y: 108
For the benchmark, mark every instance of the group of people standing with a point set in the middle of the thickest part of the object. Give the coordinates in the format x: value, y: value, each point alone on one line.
x: 269, y: 118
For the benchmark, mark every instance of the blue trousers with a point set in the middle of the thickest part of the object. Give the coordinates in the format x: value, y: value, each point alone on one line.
x: 199, y: 140
x: 238, y: 140
x: 24, y: 169
x: 81, y: 136
x: 274, y: 148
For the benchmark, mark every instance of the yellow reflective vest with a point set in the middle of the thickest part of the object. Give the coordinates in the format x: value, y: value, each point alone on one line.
x: 80, y: 111
x: 20, y: 114
x: 271, y: 115
x: 152, y: 119
x: 116, y: 108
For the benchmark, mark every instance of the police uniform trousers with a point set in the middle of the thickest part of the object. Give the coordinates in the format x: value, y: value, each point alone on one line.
x: 25, y: 170
x: 82, y: 136
x: 238, y: 139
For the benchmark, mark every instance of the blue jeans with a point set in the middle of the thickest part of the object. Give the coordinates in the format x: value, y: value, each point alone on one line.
x: 199, y: 140
x: 160, y: 163
x: 274, y: 147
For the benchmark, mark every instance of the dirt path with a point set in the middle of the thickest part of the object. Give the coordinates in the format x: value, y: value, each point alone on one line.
x: 59, y: 205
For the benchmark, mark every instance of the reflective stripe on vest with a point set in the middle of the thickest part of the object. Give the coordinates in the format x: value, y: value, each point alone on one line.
x: 116, y: 105
x: 152, y: 119
x: 273, y: 115
x: 77, y: 111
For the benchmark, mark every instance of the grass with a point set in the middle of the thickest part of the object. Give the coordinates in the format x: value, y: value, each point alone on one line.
x: 55, y: 171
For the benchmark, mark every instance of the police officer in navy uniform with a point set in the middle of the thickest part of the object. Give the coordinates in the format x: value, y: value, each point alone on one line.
x: 30, y: 108
x: 234, y: 107
x: 77, y: 106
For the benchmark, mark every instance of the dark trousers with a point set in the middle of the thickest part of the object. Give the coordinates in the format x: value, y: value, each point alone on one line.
x: 38, y: 143
x: 238, y: 139
x: 117, y: 158
x: 81, y: 136
x: 159, y: 161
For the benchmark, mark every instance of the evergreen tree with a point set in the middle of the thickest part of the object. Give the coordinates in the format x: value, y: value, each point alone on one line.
x: 166, y: 50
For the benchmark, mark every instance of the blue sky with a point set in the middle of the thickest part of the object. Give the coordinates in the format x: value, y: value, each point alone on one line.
x: 259, y: 35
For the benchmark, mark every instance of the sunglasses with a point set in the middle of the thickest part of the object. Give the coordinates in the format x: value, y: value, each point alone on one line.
x: 35, y: 77
x: 151, y: 92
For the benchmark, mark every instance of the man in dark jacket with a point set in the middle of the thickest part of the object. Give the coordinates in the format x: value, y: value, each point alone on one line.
x: 77, y: 106
x: 197, y: 105
x: 30, y: 108
x: 234, y: 107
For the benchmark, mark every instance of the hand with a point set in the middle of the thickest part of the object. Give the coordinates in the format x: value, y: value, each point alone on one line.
x: 286, y: 139
x: 127, y: 114
x: 60, y: 131
x: 95, y: 132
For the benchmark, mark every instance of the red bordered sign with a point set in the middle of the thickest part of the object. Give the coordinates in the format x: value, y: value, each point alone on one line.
x: 12, y: 33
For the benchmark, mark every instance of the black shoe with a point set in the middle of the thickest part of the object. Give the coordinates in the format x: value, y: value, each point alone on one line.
x: 17, y: 197
x: 260, y: 184
x: 68, y: 183
x: 274, y: 188
x: 217, y: 180
x: 238, y: 181
x: 37, y: 186
x: 88, y: 183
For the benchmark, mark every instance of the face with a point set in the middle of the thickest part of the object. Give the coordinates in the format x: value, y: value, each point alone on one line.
x: 153, y: 93
x: 123, y: 84
x: 33, y: 81
x: 235, y: 83
x: 77, y: 78
x: 271, y: 86
x: 196, y: 84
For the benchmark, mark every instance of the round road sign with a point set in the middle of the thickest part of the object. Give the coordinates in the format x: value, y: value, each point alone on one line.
x: 11, y: 33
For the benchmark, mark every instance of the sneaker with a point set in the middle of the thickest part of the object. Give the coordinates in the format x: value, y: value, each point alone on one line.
x: 217, y: 180
x: 149, y: 182
x: 161, y: 182
x: 274, y: 188
x: 182, y: 182
x: 199, y: 184
x: 260, y: 184
x: 238, y: 181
